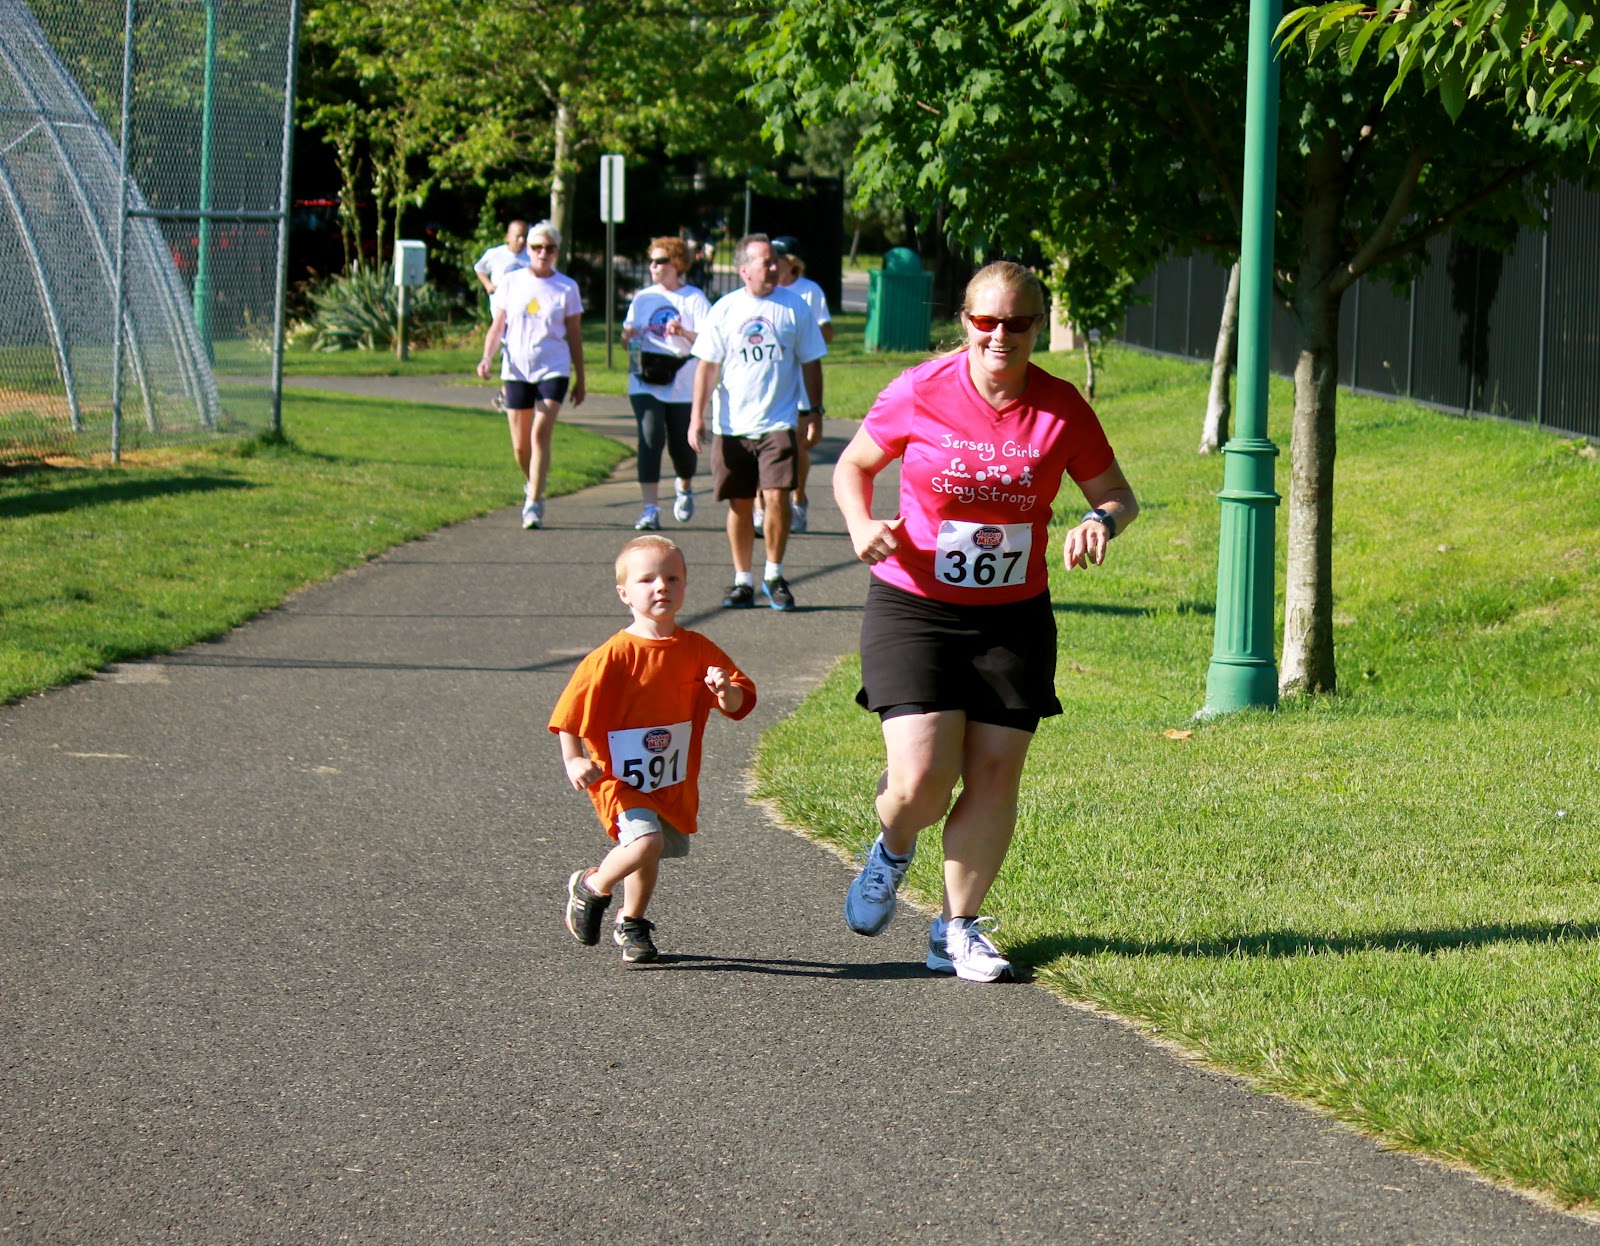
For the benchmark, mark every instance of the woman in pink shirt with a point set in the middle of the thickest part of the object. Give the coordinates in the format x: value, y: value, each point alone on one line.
x: 958, y: 640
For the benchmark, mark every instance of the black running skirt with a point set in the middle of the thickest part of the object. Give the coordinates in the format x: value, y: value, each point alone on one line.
x: 997, y: 663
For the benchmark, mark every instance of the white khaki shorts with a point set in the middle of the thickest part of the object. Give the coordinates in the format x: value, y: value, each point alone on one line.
x: 634, y: 824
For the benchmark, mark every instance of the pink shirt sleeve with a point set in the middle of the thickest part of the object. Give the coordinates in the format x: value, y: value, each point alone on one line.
x: 889, y: 421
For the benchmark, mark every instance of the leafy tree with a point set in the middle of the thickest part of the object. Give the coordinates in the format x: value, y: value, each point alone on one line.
x: 1111, y: 132
x: 1539, y: 57
x: 517, y: 95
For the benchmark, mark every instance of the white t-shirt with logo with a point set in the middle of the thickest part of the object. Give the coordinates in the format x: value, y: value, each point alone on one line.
x: 536, y: 310
x: 648, y: 315
x: 761, y: 344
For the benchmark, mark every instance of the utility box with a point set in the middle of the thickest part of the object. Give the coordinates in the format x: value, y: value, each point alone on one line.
x: 899, y: 303
x: 410, y: 264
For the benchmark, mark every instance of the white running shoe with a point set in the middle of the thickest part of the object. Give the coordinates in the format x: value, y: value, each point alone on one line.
x: 649, y: 520
x: 760, y: 516
x: 797, y: 516
x: 683, y: 507
x: 869, y: 904
x: 532, y: 513
x: 967, y: 951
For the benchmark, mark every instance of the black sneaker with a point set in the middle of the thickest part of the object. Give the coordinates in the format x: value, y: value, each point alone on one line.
x: 739, y: 596
x: 777, y: 591
x: 632, y: 935
x: 586, y: 909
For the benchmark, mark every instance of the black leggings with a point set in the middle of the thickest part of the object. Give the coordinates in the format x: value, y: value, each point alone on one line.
x: 663, y: 426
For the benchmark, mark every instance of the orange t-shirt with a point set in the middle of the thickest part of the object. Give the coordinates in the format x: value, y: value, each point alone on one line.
x: 640, y: 707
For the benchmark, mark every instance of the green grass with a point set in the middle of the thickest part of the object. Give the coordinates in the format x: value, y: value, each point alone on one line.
x: 98, y: 566
x: 1385, y: 902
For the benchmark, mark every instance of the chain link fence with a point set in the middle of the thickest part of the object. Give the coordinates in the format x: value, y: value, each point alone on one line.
x: 144, y: 150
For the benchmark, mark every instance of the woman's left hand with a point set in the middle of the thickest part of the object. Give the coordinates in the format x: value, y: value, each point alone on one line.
x: 1086, y: 544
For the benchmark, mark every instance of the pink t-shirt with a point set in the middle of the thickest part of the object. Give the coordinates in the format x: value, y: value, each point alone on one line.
x: 976, y: 484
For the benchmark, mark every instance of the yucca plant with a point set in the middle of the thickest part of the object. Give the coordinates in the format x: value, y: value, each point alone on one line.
x: 359, y: 310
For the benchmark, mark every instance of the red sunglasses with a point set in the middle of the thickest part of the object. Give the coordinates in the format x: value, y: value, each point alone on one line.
x: 1013, y: 324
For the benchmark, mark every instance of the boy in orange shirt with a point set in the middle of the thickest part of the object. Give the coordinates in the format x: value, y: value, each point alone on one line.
x: 631, y: 722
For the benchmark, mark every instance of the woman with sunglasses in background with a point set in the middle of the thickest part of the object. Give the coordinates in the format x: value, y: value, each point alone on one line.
x: 958, y: 639
x: 539, y: 314
x: 660, y: 328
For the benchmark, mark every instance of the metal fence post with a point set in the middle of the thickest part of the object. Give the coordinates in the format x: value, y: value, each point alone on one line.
x: 1544, y: 310
x: 119, y: 294
x: 281, y: 298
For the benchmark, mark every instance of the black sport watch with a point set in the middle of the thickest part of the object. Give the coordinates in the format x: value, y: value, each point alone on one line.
x: 1105, y: 517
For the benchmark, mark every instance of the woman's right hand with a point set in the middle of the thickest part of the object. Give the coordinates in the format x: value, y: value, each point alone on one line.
x: 876, y: 539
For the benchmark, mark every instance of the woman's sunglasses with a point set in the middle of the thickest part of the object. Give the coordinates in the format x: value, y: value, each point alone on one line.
x: 660, y: 259
x: 1013, y: 324
x: 543, y: 246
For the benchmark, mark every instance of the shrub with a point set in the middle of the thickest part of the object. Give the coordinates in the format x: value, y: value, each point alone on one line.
x: 360, y: 310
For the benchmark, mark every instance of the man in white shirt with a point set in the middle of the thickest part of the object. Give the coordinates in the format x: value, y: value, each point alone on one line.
x: 496, y: 262
x: 792, y: 277
x: 760, y: 357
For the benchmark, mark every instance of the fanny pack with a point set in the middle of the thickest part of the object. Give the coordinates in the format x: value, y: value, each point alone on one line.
x: 657, y: 369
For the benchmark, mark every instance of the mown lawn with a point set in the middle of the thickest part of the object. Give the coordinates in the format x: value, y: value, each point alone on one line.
x: 99, y: 565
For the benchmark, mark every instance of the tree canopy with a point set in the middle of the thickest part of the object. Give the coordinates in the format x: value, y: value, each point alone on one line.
x: 515, y: 96
x: 1540, y: 58
x: 1109, y: 133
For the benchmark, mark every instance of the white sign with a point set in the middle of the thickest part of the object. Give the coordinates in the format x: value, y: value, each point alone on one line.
x: 611, y: 189
x: 410, y: 263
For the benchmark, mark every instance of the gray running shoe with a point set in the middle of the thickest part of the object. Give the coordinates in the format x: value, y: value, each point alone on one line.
x: 739, y: 596
x: 760, y: 517
x: 971, y: 955
x: 649, y: 520
x: 869, y: 904
x: 632, y: 935
x: 799, y: 515
x: 938, y: 948
x: 586, y: 909
x: 683, y: 507
x: 777, y: 591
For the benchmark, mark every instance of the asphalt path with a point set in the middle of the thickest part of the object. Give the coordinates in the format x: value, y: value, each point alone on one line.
x: 284, y: 962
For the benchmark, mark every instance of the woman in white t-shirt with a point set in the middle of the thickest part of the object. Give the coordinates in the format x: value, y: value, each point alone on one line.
x: 660, y: 328
x: 539, y: 314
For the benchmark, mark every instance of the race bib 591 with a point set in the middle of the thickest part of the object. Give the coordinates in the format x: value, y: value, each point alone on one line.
x: 651, y: 757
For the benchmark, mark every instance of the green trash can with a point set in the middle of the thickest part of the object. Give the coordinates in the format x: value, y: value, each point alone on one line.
x: 899, y: 303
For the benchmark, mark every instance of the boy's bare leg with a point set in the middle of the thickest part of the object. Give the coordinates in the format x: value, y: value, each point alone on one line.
x: 639, y: 886
x: 624, y: 861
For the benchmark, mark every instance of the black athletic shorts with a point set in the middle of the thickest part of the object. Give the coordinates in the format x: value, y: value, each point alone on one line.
x: 996, y: 663
x: 524, y: 395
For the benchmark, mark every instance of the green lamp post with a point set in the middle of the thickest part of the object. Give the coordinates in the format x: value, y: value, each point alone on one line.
x: 1244, y: 672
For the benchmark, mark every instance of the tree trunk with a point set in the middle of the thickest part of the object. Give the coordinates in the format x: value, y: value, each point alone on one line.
x: 560, y: 175
x: 1307, y: 667
x: 1088, y: 368
x: 347, y: 161
x: 1218, y: 409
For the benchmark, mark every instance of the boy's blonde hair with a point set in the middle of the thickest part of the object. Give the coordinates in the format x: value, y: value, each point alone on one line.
x: 651, y: 540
